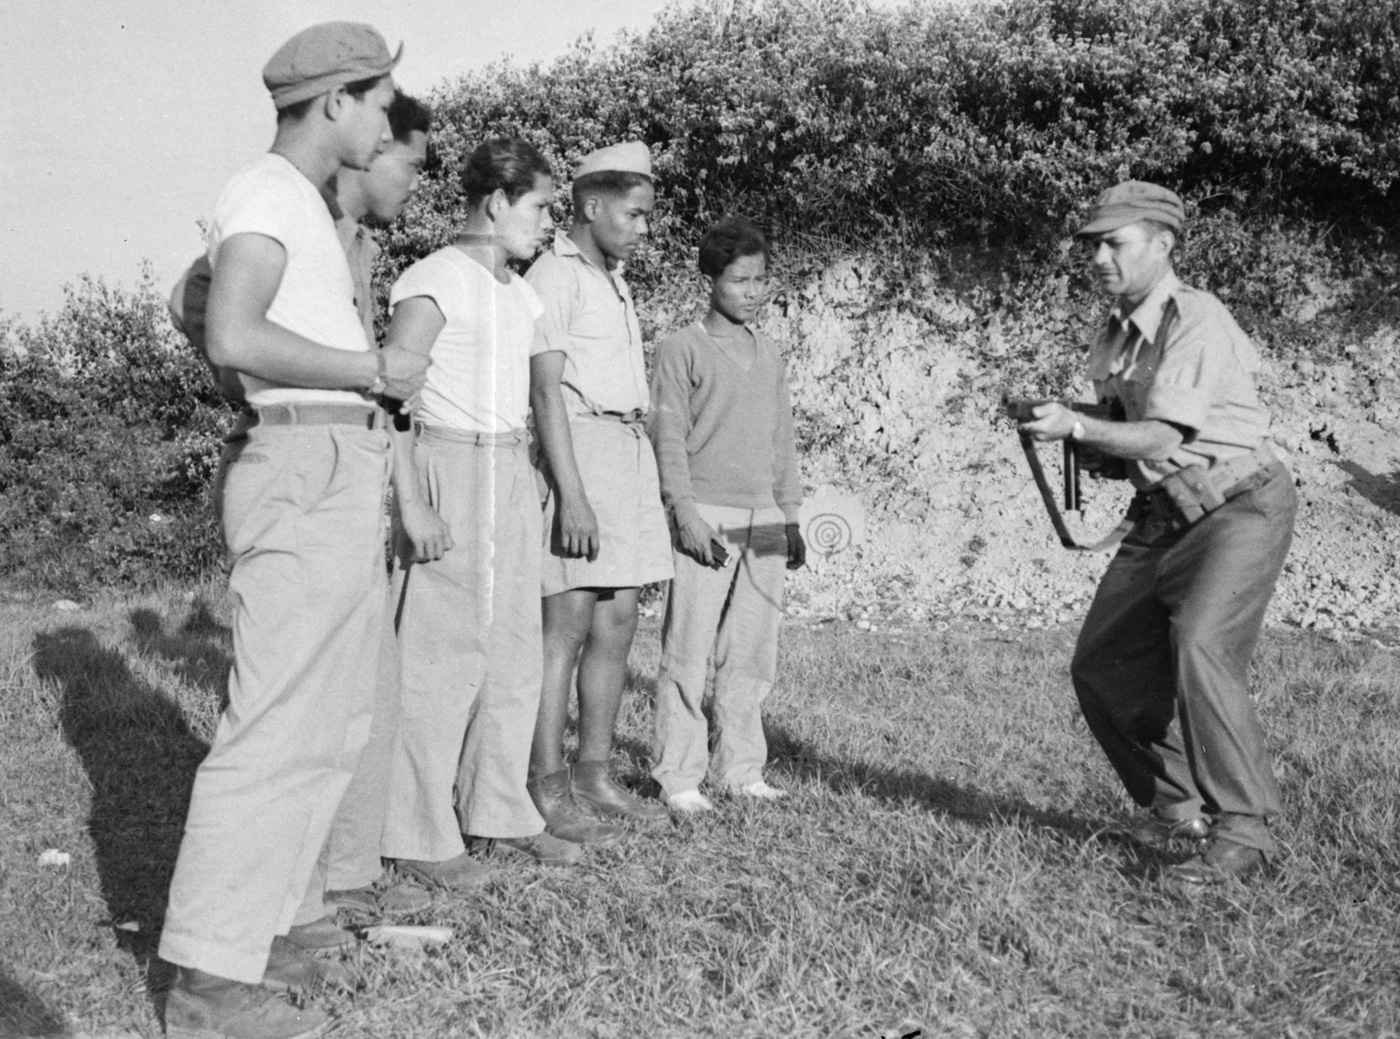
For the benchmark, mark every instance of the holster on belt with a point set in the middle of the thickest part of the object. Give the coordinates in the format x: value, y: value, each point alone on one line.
x: 1193, y: 492
x: 1190, y: 494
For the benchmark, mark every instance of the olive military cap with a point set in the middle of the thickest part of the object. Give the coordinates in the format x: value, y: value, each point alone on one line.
x: 1131, y: 201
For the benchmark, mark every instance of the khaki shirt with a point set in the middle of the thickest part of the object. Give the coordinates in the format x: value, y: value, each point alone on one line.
x: 1202, y: 380
x: 360, y: 250
x: 589, y: 317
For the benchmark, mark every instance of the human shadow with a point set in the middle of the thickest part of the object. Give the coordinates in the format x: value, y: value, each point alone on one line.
x: 795, y: 758
x: 200, y: 651
x: 23, y: 1015
x: 788, y: 754
x: 140, y: 757
x: 1379, y: 489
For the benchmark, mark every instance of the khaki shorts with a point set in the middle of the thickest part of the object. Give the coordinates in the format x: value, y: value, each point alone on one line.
x: 618, y: 469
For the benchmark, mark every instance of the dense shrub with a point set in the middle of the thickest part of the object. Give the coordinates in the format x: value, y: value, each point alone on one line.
x: 835, y: 123
x: 109, y: 431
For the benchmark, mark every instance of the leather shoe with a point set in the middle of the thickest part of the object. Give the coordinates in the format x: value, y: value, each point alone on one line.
x: 460, y: 873
x: 370, y: 903
x: 291, y: 969
x: 323, y: 935
x: 554, y: 800
x: 202, y: 1005
x: 599, y: 794
x: 544, y: 848
x: 1223, y: 860
x: 1157, y: 831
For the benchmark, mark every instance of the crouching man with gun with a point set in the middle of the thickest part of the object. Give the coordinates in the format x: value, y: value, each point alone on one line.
x: 1165, y: 649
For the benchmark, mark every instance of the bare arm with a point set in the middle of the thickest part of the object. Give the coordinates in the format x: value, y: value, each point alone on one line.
x: 578, y: 526
x: 413, y: 329
x: 239, y: 335
x: 1150, y: 440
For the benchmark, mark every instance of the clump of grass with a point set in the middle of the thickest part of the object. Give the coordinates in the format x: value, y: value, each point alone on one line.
x: 940, y: 864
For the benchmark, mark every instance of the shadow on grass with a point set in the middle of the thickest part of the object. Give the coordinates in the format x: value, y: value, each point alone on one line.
x: 800, y: 761
x: 201, y: 652
x: 1382, y: 490
x: 23, y: 1014
x: 140, y: 757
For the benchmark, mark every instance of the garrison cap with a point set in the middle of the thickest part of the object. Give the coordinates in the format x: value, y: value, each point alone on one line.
x: 326, y: 56
x: 627, y: 157
x: 1131, y: 201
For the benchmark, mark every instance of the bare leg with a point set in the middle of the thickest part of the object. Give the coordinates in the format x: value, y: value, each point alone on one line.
x: 602, y: 672
x: 568, y: 617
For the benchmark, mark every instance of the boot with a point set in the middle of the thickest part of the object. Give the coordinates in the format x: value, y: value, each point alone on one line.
x: 562, y: 818
x: 597, y: 793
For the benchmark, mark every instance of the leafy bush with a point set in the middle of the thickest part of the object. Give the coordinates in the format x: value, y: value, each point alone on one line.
x: 835, y: 123
x: 109, y: 431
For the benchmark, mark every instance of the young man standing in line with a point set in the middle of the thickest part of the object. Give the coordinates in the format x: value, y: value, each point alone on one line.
x: 721, y: 423
x: 1161, y: 668
x: 605, y: 531
x: 301, y: 505
x: 469, y: 623
x: 351, y: 863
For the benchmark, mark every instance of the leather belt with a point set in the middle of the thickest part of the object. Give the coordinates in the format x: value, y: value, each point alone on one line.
x: 466, y: 436
x: 627, y: 418
x: 366, y: 416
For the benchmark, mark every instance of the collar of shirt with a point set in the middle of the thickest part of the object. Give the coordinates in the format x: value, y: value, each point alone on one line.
x: 566, y: 246
x: 1147, y: 315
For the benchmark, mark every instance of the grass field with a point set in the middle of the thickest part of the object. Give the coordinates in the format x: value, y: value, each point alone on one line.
x: 940, y: 865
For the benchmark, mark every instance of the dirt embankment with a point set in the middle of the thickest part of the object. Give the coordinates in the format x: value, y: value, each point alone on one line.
x: 902, y: 412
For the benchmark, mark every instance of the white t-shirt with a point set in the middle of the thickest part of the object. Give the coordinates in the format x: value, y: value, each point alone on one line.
x: 479, y: 370
x: 316, y: 298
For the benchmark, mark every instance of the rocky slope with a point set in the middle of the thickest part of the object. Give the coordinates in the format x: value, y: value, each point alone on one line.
x: 900, y: 408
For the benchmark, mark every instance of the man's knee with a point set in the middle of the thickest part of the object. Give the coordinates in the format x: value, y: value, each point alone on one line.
x: 615, y: 619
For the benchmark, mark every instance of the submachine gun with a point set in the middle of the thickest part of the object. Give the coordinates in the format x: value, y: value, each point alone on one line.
x: 1077, y: 459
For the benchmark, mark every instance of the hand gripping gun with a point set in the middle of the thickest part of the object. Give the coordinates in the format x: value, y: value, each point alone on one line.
x: 1077, y: 459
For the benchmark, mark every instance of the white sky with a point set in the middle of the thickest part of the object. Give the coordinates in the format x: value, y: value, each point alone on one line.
x: 120, y: 120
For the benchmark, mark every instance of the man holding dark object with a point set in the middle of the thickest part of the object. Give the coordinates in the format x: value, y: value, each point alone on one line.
x: 1176, y: 617
x: 722, y: 425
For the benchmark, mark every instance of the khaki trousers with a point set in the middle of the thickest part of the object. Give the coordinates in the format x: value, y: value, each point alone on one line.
x: 350, y: 858
x: 302, y: 513
x: 731, y: 615
x: 469, y: 633
x: 1161, y: 668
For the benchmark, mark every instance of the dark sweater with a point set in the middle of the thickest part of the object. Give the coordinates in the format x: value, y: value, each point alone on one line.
x: 722, y: 432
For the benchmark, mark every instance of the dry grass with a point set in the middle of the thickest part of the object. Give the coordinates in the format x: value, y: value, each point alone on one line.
x: 939, y: 865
